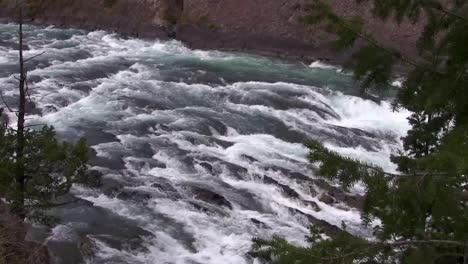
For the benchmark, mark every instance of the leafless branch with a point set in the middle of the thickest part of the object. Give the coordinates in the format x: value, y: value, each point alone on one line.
x: 6, y: 104
x: 35, y: 56
x: 34, y: 125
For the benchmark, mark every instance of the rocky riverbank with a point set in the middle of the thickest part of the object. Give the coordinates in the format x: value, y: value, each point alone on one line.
x: 13, y: 247
x: 263, y: 27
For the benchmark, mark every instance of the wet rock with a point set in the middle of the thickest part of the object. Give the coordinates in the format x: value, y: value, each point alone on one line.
x: 95, y: 222
x: 222, y: 143
x: 38, y: 233
x: 208, y: 167
x: 87, y: 247
x: 210, y: 197
x: 269, y: 180
x: 313, y: 191
x: 325, y: 198
x: 111, y: 186
x: 49, y: 109
x: 355, y: 201
x: 328, y: 229
x: 166, y: 187
x: 235, y: 170
x: 138, y: 163
x: 83, y: 87
x: 155, y: 164
x: 219, y: 126
x: 284, y: 188
x: 207, y: 209
x: 227, y: 167
x: 313, y: 204
x: 249, y: 158
x: 187, y: 164
x: 134, y: 195
x: 258, y: 223
x: 94, y: 160
x: 133, y: 243
x: 66, y: 245
x: 93, y: 179
x: 32, y: 109
x: 333, y: 195
x: 298, y: 176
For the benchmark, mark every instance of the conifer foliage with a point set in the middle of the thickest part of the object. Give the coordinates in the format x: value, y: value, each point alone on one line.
x: 35, y: 168
x: 422, y: 212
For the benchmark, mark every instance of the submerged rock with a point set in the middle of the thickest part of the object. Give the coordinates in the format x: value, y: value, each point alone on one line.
x: 259, y: 223
x: 329, y: 229
x: 325, y: 198
x: 93, y: 179
x: 313, y: 204
x: 83, y: 222
x: 284, y: 188
x: 207, y: 166
x: 208, y: 209
x: 134, y: 195
x: 210, y: 197
x: 111, y: 186
x: 249, y: 158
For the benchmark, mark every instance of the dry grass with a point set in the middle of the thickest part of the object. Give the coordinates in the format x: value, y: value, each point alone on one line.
x: 13, y: 248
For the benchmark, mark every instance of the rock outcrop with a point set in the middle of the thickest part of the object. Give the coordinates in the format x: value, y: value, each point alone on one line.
x: 268, y: 27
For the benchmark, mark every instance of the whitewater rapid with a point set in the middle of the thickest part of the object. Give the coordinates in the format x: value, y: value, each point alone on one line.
x: 170, y: 126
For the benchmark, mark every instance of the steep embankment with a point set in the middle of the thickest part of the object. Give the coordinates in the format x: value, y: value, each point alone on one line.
x: 268, y: 27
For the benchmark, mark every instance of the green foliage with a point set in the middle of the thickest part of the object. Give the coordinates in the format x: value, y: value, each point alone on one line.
x: 335, y: 167
x: 51, y: 167
x: 343, y: 249
x: 421, y: 214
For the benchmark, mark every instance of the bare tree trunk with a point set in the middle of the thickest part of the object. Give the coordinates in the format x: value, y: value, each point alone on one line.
x: 465, y: 255
x: 20, y: 173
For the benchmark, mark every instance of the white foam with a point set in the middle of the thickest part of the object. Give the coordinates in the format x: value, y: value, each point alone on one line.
x: 321, y: 65
x: 356, y: 112
x: 173, y: 115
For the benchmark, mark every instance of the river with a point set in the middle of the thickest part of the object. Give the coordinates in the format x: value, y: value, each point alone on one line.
x: 199, y: 151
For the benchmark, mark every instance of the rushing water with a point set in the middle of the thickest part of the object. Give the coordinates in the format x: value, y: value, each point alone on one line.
x: 200, y: 150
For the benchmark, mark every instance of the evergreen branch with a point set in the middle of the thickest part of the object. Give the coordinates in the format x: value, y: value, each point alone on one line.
x: 6, y: 104
x: 373, y: 245
x: 420, y: 242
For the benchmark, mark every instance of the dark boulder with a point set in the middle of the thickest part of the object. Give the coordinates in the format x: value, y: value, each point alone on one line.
x: 325, y: 198
x: 111, y: 186
x: 284, y: 188
x: 249, y: 158
x: 313, y: 204
x: 134, y: 196
x: 208, y: 167
x: 93, y: 179
x: 327, y: 228
x: 258, y: 223
x: 210, y: 197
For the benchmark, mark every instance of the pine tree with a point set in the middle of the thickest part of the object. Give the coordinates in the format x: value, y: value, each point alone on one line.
x: 35, y: 168
x: 423, y: 210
